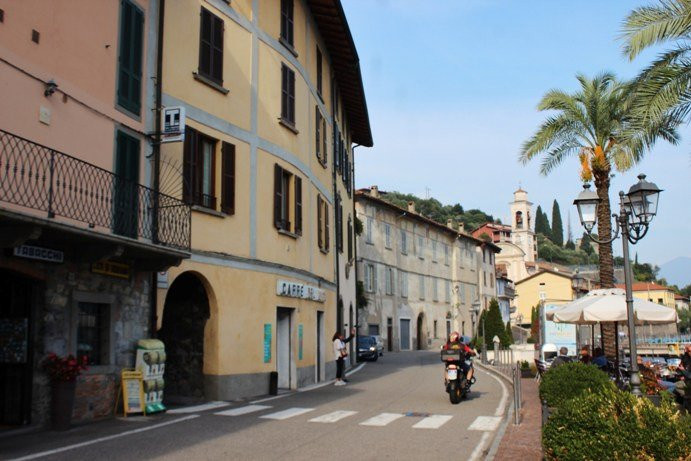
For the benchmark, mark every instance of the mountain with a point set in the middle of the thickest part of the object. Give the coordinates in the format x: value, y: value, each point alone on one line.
x: 677, y: 271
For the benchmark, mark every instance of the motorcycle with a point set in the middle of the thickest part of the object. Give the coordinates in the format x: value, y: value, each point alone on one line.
x: 457, y: 385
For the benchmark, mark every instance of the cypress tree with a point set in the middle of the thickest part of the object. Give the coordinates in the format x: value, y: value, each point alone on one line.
x: 585, y: 244
x: 557, y: 226
x: 541, y: 223
x: 509, y: 333
x: 494, y: 325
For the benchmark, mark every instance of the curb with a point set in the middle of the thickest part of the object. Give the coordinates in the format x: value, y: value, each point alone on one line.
x: 499, y: 435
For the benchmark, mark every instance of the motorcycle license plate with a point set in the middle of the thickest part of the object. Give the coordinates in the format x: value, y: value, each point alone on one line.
x: 453, y: 374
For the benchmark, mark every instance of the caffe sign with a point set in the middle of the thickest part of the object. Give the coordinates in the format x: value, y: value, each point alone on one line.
x: 300, y: 290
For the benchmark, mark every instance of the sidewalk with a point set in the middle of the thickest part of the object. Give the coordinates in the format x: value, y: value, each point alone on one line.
x: 524, y: 442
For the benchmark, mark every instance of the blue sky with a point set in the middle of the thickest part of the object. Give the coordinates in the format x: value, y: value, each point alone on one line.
x: 452, y: 88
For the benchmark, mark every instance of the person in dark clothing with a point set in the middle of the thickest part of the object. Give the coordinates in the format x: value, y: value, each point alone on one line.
x: 599, y: 359
x: 585, y: 355
x: 561, y: 358
x: 455, y: 342
x: 685, y: 365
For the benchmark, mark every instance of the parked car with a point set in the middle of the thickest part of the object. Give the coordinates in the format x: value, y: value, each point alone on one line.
x: 380, y: 345
x: 367, y: 348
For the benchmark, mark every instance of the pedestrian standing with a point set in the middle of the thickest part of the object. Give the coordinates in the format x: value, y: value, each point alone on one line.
x: 340, y: 353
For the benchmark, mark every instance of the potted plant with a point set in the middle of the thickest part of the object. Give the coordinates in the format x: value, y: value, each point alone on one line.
x: 63, y: 372
x: 526, y: 372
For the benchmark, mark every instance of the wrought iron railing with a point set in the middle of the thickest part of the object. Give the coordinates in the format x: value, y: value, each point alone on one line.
x: 41, y: 178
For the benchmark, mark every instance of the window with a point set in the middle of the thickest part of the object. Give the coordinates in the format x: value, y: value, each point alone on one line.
x: 403, y: 283
x: 446, y: 254
x: 435, y: 330
x: 462, y: 293
x: 339, y: 224
x: 484, y: 278
x: 404, y: 242
x: 287, y: 22
x: 319, y: 72
x: 287, y: 95
x: 322, y: 224
x: 283, y: 211
x: 434, y: 251
x: 420, y: 247
x: 387, y: 235
x: 373, y: 329
x: 350, y: 238
x: 369, y: 230
x: 320, y: 136
x: 421, y: 283
x: 211, y: 47
x: 130, y: 57
x: 491, y: 280
x: 389, y: 281
x: 542, y: 295
x: 228, y: 178
x: 435, y: 289
x: 370, y: 278
x: 660, y: 301
x: 199, y: 169
x: 447, y: 291
x: 93, y: 332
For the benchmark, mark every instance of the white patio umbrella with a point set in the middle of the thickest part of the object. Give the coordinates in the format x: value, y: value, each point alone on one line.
x: 609, y: 305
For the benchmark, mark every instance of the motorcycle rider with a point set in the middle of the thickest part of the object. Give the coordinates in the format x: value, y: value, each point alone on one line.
x: 455, y: 342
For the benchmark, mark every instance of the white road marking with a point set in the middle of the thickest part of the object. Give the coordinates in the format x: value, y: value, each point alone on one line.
x: 382, y: 419
x: 333, y: 417
x: 504, y: 395
x: 485, y: 423
x: 243, y: 410
x: 104, y: 439
x: 432, y: 422
x: 478, y: 448
x: 289, y: 413
x: 198, y: 408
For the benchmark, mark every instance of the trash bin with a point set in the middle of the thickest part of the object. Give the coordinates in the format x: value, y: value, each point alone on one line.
x: 273, y: 383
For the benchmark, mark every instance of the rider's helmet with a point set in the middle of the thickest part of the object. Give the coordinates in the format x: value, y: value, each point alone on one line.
x: 454, y: 337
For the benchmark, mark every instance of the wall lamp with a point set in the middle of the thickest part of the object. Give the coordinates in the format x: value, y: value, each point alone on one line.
x: 51, y: 87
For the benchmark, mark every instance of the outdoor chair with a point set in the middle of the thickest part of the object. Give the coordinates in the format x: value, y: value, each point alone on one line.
x: 541, y: 367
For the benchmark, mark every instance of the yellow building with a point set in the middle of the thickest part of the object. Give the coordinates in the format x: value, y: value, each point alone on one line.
x: 653, y: 292
x: 546, y: 286
x: 273, y: 100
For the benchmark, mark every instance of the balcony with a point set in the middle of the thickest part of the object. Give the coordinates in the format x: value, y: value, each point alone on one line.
x: 42, y: 187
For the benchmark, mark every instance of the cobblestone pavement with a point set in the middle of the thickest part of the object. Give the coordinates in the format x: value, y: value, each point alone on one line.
x: 523, y: 442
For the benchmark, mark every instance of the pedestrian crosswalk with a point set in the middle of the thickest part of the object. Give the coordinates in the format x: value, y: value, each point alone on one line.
x: 419, y: 421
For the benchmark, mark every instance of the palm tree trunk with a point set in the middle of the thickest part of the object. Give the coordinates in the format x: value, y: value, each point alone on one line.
x: 604, y: 231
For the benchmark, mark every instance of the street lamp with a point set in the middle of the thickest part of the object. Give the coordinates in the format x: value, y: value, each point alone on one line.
x: 476, y: 311
x: 637, y: 209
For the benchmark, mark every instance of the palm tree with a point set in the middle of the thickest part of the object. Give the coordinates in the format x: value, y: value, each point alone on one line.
x: 594, y: 123
x: 664, y: 87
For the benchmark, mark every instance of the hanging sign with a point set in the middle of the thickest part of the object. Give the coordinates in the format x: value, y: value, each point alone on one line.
x: 173, y: 124
x: 39, y: 253
x: 132, y: 392
x: 267, y: 342
x: 300, y: 290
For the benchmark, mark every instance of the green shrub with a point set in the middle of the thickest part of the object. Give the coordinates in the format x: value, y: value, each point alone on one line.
x: 570, y: 380
x: 525, y: 365
x: 616, y: 425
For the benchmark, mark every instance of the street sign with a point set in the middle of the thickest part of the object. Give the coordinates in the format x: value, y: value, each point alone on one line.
x: 173, y: 124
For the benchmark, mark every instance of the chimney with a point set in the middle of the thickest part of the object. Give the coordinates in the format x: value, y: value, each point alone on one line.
x: 461, y: 227
x: 449, y: 223
x: 374, y: 191
x: 411, y: 207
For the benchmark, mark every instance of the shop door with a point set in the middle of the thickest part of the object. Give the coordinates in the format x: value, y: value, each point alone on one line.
x: 405, y: 334
x: 15, y: 349
x: 284, y: 355
x: 389, y: 334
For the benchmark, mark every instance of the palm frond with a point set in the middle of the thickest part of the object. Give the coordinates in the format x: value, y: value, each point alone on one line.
x: 650, y: 25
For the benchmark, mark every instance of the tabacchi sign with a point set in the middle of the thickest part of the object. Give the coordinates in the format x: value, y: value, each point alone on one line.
x: 300, y: 290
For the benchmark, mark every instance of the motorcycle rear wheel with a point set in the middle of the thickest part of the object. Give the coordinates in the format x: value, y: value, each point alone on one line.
x: 455, y: 393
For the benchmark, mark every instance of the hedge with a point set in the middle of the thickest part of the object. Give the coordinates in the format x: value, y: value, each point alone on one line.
x: 570, y: 380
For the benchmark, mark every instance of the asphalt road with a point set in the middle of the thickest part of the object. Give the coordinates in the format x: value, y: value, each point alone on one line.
x: 394, y: 408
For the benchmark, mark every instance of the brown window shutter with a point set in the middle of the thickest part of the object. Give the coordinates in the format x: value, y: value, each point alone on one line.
x: 324, y: 156
x: 298, y: 205
x: 228, y: 179
x: 320, y: 241
x: 326, y: 226
x: 317, y: 129
x: 189, y: 164
x: 278, y: 196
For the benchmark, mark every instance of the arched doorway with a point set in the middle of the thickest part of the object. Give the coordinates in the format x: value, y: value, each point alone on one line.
x: 420, y: 332
x: 185, y: 313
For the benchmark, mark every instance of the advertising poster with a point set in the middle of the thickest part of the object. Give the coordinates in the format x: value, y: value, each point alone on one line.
x: 300, y: 342
x: 267, y: 342
x: 559, y: 334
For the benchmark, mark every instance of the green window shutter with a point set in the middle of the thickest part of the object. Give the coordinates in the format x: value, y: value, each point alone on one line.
x: 130, y: 57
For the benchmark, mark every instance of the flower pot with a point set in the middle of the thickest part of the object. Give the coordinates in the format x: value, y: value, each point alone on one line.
x: 62, y: 404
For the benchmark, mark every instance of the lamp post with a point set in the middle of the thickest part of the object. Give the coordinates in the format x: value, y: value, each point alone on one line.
x: 637, y: 209
x: 476, y: 312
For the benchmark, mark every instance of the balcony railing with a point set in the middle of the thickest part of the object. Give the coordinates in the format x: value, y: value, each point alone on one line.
x: 40, y: 178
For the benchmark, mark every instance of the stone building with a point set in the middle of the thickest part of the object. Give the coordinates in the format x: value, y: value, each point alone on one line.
x: 420, y: 277
x: 274, y: 100
x: 82, y: 230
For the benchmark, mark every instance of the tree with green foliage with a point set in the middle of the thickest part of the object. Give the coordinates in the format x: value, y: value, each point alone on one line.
x: 569, y: 245
x: 509, y: 333
x: 585, y: 244
x: 541, y: 223
x: 494, y: 325
x: 661, y: 91
x: 534, y: 325
x: 557, y: 226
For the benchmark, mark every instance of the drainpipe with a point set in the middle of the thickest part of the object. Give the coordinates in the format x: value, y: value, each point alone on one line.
x: 157, y: 158
x: 334, y: 178
x: 354, y: 270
